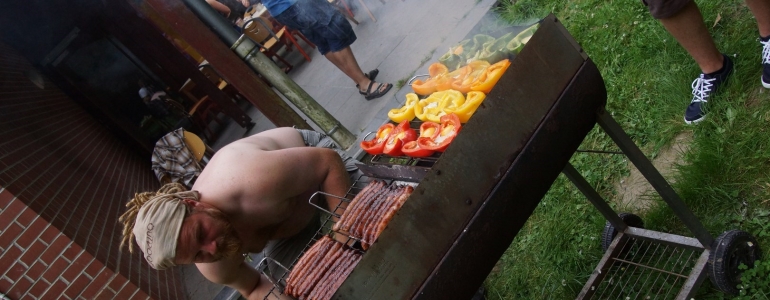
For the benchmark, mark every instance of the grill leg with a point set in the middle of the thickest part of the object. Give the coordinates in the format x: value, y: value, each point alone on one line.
x: 653, y: 176
x: 594, y: 197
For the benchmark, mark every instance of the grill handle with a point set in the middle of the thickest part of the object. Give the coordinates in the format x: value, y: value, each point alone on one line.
x: 324, y: 209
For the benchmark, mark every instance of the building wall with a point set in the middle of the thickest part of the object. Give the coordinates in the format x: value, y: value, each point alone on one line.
x: 40, y: 262
x: 64, y: 181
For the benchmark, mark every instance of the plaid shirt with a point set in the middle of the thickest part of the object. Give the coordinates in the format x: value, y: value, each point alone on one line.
x: 172, y: 158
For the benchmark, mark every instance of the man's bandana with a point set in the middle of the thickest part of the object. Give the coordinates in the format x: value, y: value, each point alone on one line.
x: 157, y: 228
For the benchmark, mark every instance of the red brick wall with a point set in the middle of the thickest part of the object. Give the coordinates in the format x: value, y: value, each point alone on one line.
x: 64, y: 181
x: 39, y: 262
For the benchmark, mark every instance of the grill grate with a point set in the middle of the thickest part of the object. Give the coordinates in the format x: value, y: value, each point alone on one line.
x: 279, y: 284
x: 646, y: 269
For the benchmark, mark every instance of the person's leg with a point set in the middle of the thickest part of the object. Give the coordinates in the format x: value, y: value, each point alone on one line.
x: 688, y: 28
x: 683, y: 20
x: 761, y: 11
x: 347, y: 63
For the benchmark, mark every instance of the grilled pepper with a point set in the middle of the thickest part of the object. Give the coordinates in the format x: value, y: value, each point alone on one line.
x: 450, y: 127
x: 400, y: 135
x: 429, y: 130
x: 466, y: 110
x: 376, y: 145
x: 474, y: 70
x: 445, y: 82
x: 436, y: 72
x: 406, y: 112
x: 488, y: 80
x: 412, y: 149
x: 432, y: 108
x: 521, y: 39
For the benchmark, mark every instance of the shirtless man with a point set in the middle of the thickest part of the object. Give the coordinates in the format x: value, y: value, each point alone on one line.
x: 251, y: 196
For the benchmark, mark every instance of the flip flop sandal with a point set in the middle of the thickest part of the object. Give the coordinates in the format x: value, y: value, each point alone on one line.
x: 376, y: 93
x: 371, y: 75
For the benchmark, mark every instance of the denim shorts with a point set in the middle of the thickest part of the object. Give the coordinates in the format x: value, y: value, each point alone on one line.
x: 661, y: 9
x: 321, y: 23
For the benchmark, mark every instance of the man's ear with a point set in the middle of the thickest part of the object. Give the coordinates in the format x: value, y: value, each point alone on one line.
x: 190, y: 202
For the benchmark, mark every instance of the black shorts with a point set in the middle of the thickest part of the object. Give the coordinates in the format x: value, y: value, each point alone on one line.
x: 321, y: 23
x: 661, y: 9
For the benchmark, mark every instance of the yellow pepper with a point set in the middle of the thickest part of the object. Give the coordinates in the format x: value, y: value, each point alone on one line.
x: 488, y: 80
x: 433, y: 107
x: 406, y: 112
x: 466, y: 110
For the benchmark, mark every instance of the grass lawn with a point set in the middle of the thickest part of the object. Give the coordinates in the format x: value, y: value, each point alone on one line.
x: 724, y: 176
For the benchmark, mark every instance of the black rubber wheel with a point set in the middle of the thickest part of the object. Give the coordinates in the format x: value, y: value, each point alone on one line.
x: 730, y: 250
x: 610, y: 232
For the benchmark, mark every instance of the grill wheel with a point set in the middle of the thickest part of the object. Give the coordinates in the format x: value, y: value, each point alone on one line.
x: 610, y: 232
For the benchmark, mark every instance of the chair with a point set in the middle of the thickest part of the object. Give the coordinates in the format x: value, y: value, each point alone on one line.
x: 203, y: 112
x: 269, y: 41
x: 223, y: 85
x: 291, y: 37
x: 199, y: 149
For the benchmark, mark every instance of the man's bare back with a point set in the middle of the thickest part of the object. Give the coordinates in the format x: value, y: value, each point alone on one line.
x: 262, y: 183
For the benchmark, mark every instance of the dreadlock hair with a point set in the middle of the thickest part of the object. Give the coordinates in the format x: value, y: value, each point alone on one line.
x: 168, y: 191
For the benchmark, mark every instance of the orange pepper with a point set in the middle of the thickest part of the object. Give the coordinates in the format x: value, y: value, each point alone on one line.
x: 488, y: 80
x: 436, y: 70
x: 424, y: 88
x: 476, y: 69
x: 445, y: 83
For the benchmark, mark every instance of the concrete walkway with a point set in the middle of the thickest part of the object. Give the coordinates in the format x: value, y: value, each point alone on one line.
x: 406, y: 38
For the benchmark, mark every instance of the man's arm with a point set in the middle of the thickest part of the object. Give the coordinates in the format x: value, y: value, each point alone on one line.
x: 305, y: 167
x: 239, y: 276
x: 223, y: 9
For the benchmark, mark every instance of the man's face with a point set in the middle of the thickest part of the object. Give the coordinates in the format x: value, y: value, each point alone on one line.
x: 206, y: 236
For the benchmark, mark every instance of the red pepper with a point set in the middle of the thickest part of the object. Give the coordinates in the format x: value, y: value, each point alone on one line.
x: 376, y: 145
x: 400, y: 136
x: 429, y: 130
x: 450, y: 126
x: 412, y: 149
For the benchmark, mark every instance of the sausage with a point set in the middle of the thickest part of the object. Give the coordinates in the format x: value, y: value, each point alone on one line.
x: 353, y: 204
x: 333, y: 272
x: 381, y: 211
x: 324, y: 245
x: 302, y: 264
x: 353, y: 261
x: 377, y: 212
x: 359, y: 228
x: 312, y: 279
x: 361, y: 212
x: 354, y: 212
x: 391, y: 212
x: 344, y: 262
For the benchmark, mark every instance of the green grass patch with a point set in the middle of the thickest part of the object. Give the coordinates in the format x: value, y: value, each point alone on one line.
x: 725, y: 177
